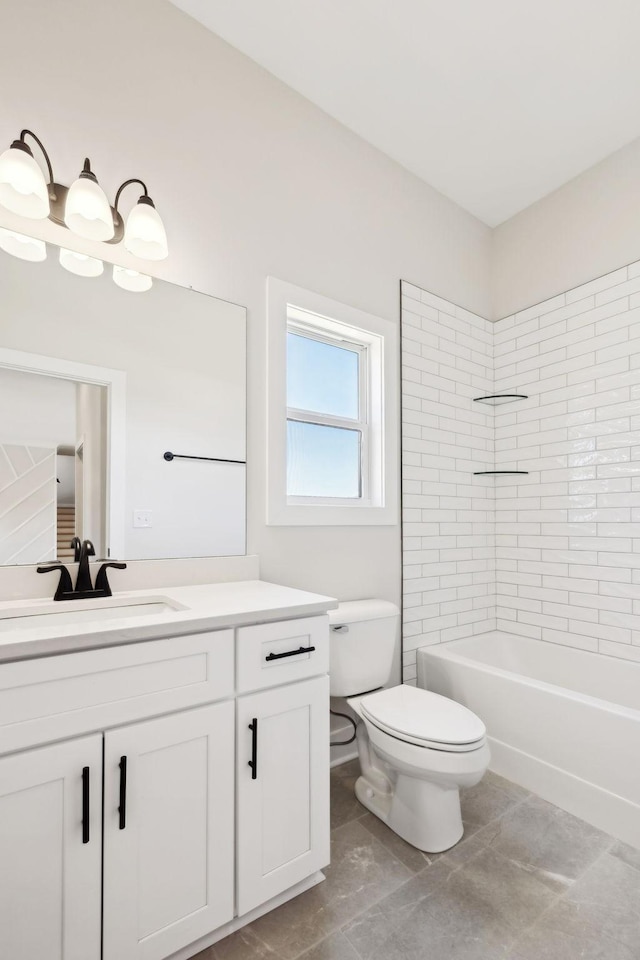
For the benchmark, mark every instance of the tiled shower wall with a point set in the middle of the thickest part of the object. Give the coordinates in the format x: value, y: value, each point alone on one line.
x: 448, y: 514
x: 568, y: 535
x: 560, y: 546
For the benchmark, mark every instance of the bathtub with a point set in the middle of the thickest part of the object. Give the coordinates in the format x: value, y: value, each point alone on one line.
x: 562, y: 722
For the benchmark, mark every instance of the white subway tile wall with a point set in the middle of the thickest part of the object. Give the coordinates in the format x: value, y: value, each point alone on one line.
x: 567, y: 535
x: 448, y: 514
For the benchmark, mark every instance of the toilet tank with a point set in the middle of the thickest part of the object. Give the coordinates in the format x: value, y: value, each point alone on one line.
x: 363, y: 635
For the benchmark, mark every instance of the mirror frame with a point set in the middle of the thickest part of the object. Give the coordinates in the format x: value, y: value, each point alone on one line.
x: 115, y: 383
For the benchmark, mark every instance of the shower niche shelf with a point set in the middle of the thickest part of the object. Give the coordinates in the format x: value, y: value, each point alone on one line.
x: 500, y: 473
x: 497, y: 399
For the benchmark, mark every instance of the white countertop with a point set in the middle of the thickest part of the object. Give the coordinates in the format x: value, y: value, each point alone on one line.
x: 202, y: 608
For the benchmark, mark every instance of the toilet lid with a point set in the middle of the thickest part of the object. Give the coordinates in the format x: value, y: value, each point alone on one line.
x: 419, y: 716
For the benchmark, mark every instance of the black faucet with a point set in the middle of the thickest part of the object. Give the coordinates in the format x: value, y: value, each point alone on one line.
x: 84, y: 589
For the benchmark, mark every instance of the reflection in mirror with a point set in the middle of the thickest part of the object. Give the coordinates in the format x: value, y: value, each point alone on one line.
x: 105, y: 381
x: 53, y: 466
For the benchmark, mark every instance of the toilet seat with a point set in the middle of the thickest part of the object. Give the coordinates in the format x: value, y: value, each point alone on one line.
x: 423, y: 718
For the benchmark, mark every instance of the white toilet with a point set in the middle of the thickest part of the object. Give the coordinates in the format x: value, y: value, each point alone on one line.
x: 416, y: 748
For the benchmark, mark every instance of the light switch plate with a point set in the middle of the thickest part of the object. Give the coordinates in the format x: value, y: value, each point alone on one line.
x: 142, y: 518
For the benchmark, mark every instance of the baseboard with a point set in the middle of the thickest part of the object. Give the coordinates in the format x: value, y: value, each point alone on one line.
x: 602, y: 809
x: 340, y: 755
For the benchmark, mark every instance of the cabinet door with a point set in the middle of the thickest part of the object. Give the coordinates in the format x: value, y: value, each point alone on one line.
x: 283, y: 789
x: 168, y: 832
x: 51, y: 852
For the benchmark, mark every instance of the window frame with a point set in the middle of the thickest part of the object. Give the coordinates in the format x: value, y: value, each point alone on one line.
x: 298, y: 323
x: 289, y: 307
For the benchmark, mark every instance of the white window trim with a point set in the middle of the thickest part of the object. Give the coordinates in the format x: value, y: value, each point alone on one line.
x: 380, y: 506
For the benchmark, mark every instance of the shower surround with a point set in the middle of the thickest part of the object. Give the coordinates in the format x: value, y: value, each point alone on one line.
x: 554, y: 554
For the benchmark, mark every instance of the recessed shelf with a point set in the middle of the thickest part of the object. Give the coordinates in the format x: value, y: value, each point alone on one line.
x: 496, y: 399
x: 500, y: 473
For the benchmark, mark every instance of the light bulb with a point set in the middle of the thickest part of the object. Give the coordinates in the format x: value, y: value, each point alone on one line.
x: 80, y: 263
x: 144, y: 233
x: 23, y: 188
x: 25, y: 248
x: 131, y: 279
x: 87, y: 211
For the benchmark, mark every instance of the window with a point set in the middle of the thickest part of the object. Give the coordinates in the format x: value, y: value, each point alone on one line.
x: 327, y: 415
x: 332, y: 412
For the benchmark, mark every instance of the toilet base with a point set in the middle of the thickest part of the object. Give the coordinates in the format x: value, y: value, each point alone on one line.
x: 424, y: 814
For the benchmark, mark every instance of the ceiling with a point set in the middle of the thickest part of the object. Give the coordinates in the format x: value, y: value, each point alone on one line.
x: 495, y: 103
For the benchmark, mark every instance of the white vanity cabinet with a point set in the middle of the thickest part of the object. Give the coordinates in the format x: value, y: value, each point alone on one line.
x: 51, y: 852
x: 283, y: 757
x: 140, y: 816
x: 168, y: 832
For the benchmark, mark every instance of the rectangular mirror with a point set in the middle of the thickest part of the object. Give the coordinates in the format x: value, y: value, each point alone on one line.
x: 96, y: 384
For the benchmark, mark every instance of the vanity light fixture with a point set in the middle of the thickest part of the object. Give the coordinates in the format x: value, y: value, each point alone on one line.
x: 25, y: 248
x: 23, y: 188
x: 131, y: 279
x: 83, y: 207
x: 86, y: 210
x: 80, y: 263
x: 144, y: 233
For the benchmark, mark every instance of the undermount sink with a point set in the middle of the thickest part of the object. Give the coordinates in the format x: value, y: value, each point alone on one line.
x: 83, y: 611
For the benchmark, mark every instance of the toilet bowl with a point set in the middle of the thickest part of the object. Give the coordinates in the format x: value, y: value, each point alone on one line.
x: 416, y: 748
x: 411, y: 773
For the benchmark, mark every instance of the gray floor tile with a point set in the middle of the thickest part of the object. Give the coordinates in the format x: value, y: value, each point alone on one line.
x: 404, y: 852
x: 489, y: 799
x: 241, y: 945
x: 626, y: 853
x: 344, y: 805
x: 362, y: 871
x: 334, y: 947
x: 542, y: 837
x: 468, y: 912
x: 598, y: 919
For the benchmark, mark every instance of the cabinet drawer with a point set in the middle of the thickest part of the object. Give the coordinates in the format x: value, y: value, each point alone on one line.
x: 274, y: 653
x: 52, y: 698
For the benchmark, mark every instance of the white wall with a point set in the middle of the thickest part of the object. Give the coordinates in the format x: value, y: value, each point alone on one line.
x: 585, y: 229
x: 252, y: 180
x: 568, y: 534
x: 448, y: 513
x: 35, y: 410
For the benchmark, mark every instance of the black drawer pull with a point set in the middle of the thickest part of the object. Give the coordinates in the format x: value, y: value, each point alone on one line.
x: 253, y: 763
x: 122, y: 809
x: 86, y: 809
x: 290, y: 653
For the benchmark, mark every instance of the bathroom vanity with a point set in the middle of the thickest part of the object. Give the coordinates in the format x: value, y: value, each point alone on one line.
x: 163, y: 767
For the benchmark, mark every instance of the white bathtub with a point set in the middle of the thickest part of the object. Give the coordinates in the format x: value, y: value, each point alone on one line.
x: 562, y: 722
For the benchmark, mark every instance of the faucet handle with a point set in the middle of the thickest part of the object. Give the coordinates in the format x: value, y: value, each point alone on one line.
x: 102, y: 583
x: 64, y: 584
x: 89, y: 548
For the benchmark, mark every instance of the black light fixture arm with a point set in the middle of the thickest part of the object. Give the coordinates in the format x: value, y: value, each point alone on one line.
x: 21, y: 145
x: 126, y: 184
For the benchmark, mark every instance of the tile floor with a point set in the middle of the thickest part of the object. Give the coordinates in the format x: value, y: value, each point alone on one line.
x: 527, y: 882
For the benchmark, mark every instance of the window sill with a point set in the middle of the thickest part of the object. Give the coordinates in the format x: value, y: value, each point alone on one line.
x: 324, y: 515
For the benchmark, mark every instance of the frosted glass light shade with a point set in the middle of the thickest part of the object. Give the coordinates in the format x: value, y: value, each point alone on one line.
x: 144, y: 233
x: 87, y: 211
x: 25, y: 248
x: 80, y: 263
x: 23, y: 188
x: 131, y: 280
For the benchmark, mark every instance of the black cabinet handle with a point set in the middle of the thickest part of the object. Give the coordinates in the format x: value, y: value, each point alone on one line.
x: 253, y: 763
x: 86, y: 809
x: 122, y: 809
x: 290, y: 653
